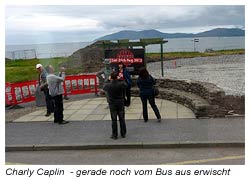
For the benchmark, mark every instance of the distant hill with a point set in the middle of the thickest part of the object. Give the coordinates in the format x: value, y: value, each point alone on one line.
x: 222, y: 32
x: 128, y: 34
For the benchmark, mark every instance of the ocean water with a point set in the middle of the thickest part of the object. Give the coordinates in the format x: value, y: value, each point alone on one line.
x: 173, y: 45
x: 187, y: 44
x: 43, y: 50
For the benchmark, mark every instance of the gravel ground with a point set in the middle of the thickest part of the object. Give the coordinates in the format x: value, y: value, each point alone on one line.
x: 227, y: 71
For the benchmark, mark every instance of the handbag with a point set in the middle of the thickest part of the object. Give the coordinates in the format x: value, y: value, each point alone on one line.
x: 44, y: 87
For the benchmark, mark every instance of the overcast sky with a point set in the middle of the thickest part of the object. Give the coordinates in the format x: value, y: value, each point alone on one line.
x: 79, y: 23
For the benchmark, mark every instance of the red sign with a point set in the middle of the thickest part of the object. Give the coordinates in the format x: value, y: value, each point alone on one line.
x: 127, y: 61
x: 132, y: 58
x: 125, y: 53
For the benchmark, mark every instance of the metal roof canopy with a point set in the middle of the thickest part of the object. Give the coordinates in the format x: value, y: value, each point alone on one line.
x: 108, y: 44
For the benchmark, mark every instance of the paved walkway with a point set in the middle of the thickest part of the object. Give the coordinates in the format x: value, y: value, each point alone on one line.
x: 96, y: 109
x: 90, y: 128
x: 78, y: 135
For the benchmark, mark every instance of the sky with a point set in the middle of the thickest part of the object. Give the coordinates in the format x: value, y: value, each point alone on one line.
x: 26, y: 24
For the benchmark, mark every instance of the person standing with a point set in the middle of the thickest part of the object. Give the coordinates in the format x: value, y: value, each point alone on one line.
x: 115, y: 90
x: 146, y: 83
x: 43, y: 85
x: 103, y: 76
x: 62, y: 69
x: 124, y: 75
x: 56, y: 91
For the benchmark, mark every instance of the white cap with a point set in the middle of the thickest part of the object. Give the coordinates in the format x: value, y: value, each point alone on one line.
x: 38, y: 66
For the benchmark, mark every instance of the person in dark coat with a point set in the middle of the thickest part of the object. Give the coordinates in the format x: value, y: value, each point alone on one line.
x: 124, y: 75
x: 146, y: 83
x: 115, y: 90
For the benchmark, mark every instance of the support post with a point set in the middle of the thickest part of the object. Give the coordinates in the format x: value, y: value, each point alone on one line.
x: 145, y: 60
x: 162, y: 72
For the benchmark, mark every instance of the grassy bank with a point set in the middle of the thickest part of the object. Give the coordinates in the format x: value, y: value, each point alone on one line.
x: 24, y: 70
x: 178, y: 55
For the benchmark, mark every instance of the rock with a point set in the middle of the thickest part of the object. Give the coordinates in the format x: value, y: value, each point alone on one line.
x: 204, y: 99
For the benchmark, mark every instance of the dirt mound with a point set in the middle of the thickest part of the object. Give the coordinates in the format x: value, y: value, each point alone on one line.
x: 88, y: 59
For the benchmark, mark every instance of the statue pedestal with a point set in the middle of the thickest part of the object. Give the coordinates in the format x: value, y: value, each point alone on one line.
x: 40, y: 98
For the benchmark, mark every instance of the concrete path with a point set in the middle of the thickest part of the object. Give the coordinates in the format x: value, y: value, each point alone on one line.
x: 96, y: 134
x: 90, y: 128
x: 96, y: 109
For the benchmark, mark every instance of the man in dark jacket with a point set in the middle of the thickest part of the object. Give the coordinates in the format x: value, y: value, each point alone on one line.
x: 124, y: 75
x: 115, y: 90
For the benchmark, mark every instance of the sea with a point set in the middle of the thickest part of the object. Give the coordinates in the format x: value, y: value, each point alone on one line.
x: 50, y: 50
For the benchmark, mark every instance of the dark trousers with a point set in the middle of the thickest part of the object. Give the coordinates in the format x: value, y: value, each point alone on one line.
x: 151, y: 100
x: 49, y: 101
x: 118, y: 110
x: 58, y: 113
x: 127, y: 96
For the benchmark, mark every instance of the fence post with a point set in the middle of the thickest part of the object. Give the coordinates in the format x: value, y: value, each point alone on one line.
x: 64, y: 87
x: 96, y: 85
x: 13, y: 94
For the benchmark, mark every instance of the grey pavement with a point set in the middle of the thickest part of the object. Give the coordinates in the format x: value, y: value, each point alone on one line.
x: 222, y: 132
x: 89, y: 109
x: 90, y: 128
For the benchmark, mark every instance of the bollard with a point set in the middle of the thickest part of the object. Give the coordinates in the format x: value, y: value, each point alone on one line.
x: 174, y: 64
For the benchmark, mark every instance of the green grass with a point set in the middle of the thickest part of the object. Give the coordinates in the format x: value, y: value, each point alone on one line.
x: 25, y: 70
x: 177, y: 55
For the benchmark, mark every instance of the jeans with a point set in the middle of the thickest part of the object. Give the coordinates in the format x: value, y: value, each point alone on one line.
x: 118, y: 110
x: 151, y: 100
x: 58, y: 113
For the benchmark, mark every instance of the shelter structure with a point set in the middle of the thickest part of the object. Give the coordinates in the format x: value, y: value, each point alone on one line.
x: 131, y: 44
